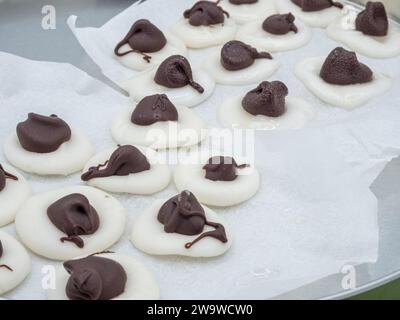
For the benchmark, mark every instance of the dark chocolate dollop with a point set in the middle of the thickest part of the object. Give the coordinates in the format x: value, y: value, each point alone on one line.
x: 1, y: 254
x: 183, y: 214
x: 142, y: 37
x: 205, y: 13
x: 373, y: 20
x: 267, y: 99
x: 238, y: 2
x: 152, y: 109
x: 123, y: 161
x: 175, y: 72
x: 74, y: 216
x: 222, y: 168
x: 43, y: 134
x: 280, y: 24
x: 342, y: 67
x: 236, y: 55
x: 316, y: 5
x: 4, y: 175
x: 94, y: 278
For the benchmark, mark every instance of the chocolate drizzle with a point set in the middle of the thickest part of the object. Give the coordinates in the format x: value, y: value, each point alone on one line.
x: 280, y: 24
x: 222, y: 168
x: 94, y: 278
x: 142, y: 37
x: 316, y: 5
x: 1, y: 254
x: 74, y: 216
x: 175, y: 72
x: 123, y: 161
x: 239, y: 2
x: 183, y: 214
x: 267, y: 99
x: 152, y: 109
x: 4, y: 175
x: 236, y: 55
x: 43, y: 134
x: 373, y: 20
x: 342, y: 67
x: 205, y: 13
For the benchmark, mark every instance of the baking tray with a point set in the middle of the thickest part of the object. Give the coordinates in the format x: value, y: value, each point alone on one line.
x: 21, y: 27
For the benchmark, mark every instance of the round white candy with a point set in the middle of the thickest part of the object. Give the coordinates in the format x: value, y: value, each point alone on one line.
x: 249, y: 12
x: 40, y: 235
x: 15, y: 257
x: 140, y: 285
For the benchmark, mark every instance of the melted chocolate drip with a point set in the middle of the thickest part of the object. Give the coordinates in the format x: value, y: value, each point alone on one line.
x: 373, y: 20
x: 74, y: 216
x: 152, y: 109
x: 280, y: 24
x: 267, y: 99
x: 43, y: 134
x: 1, y: 254
x: 236, y: 55
x: 238, y: 2
x: 175, y: 72
x: 123, y: 161
x: 5, y: 175
x: 316, y: 5
x: 94, y: 278
x: 183, y: 214
x: 342, y: 67
x: 142, y: 37
x: 205, y: 13
x: 222, y: 168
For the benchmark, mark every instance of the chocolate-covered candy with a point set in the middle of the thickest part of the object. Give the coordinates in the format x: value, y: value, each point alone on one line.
x: 342, y: 67
x: 5, y: 175
x: 43, y: 134
x: 184, y: 214
x: 222, y: 168
x: 236, y: 55
x: 123, y: 161
x: 1, y: 254
x: 239, y: 2
x: 280, y: 24
x: 94, y: 278
x: 373, y: 20
x: 142, y: 37
x: 175, y: 72
x: 316, y: 5
x: 267, y: 99
x: 205, y: 13
x: 74, y: 216
x: 152, y: 109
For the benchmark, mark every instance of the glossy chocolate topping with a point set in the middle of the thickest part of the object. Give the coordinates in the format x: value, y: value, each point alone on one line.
x: 183, y: 214
x: 1, y: 254
x: 4, y: 175
x: 152, y: 109
x: 205, y: 13
x: 123, y: 161
x: 74, y: 216
x: 175, y: 72
x: 373, y: 20
x: 238, y: 2
x: 280, y: 24
x: 267, y: 99
x: 222, y: 168
x: 142, y: 37
x: 236, y: 55
x: 316, y: 5
x: 43, y: 134
x: 342, y: 67
x: 94, y: 278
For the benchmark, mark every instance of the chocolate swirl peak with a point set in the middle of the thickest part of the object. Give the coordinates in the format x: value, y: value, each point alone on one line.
x: 267, y: 99
x: 142, y: 37
x: 280, y: 24
x: 4, y: 175
x: 94, y: 278
x: 43, y: 134
x: 1, y: 254
x: 373, y: 20
x: 316, y: 5
x: 74, y: 216
x: 183, y: 214
x: 342, y: 67
x: 152, y: 109
x: 175, y: 72
x: 236, y: 55
x: 239, y: 2
x: 205, y: 13
x: 123, y: 161
x: 222, y: 168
